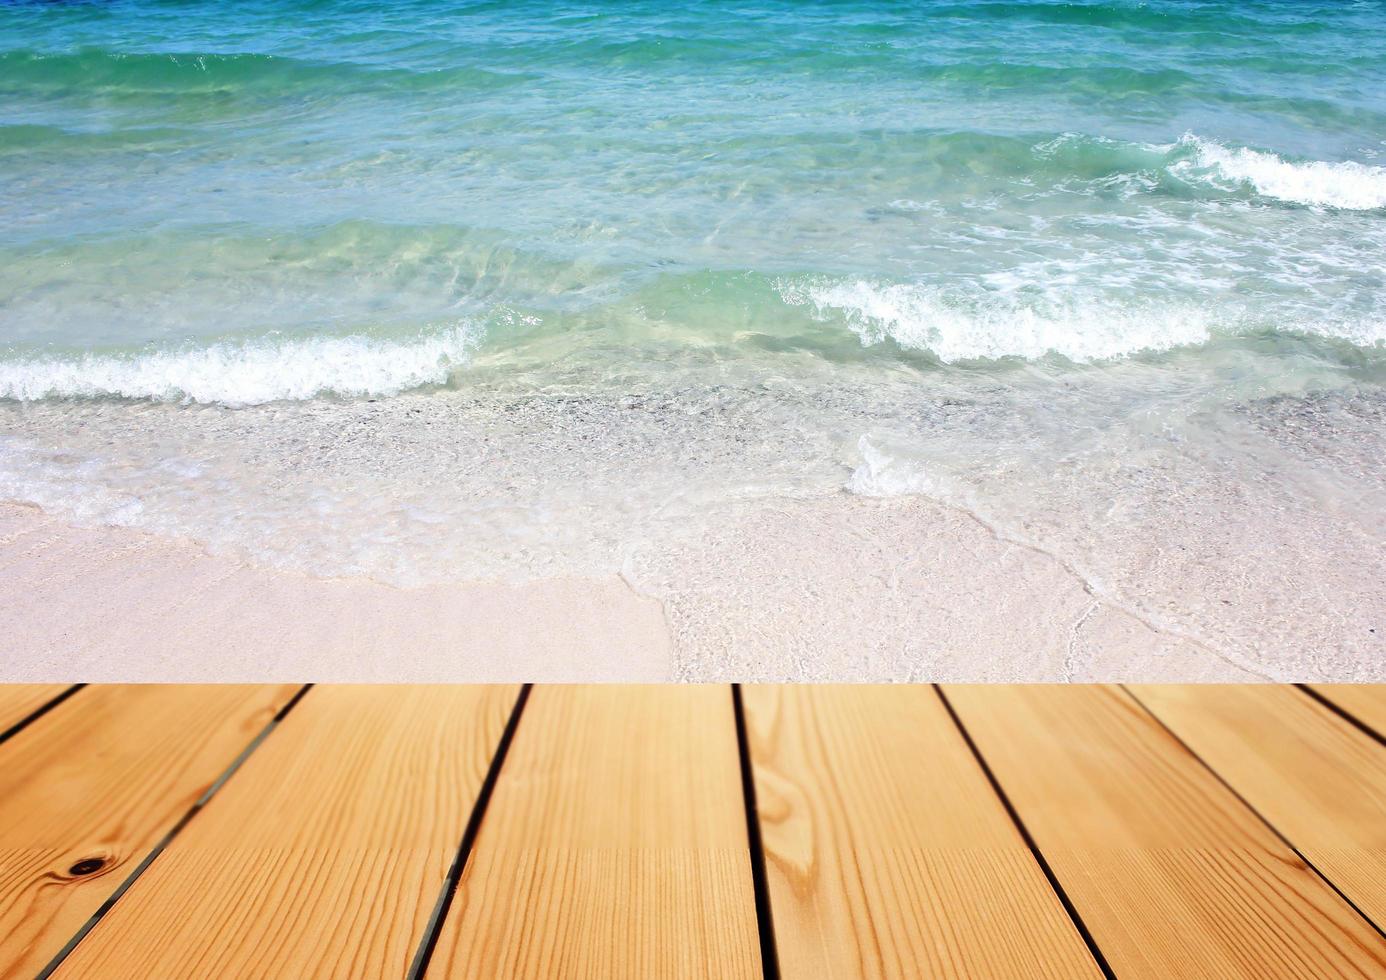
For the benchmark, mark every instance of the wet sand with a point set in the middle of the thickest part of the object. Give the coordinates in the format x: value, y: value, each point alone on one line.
x: 914, y: 591
x: 114, y: 604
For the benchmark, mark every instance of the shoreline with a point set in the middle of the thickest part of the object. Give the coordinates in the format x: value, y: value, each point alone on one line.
x: 880, y: 533
x: 116, y: 604
x: 747, y: 602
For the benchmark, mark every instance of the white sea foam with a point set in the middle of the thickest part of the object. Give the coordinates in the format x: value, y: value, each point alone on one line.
x: 249, y: 373
x: 882, y: 475
x: 1348, y: 185
x: 991, y: 326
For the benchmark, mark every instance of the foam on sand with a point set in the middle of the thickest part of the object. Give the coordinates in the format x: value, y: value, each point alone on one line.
x: 882, y: 475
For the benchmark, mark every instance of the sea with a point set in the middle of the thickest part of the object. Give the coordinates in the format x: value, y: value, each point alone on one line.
x: 441, y: 291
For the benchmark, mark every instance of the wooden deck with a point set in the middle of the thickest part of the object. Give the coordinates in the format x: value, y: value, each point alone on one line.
x: 651, y: 832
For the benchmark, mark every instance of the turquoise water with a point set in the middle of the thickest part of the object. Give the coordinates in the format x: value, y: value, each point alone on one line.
x: 954, y: 182
x: 1016, y: 256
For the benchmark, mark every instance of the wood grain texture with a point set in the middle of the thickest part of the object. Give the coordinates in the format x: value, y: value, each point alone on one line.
x: 103, y: 778
x: 887, y: 852
x: 18, y: 701
x: 1319, y: 780
x: 324, y: 855
x: 1365, y: 702
x: 614, y: 846
x: 1172, y: 874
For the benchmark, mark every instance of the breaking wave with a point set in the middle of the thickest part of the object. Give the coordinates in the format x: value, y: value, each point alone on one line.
x: 975, y: 325
x: 995, y: 326
x: 251, y: 373
x: 1347, y: 184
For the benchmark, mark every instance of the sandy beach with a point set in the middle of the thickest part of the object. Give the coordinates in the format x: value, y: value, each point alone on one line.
x: 956, y: 603
x: 116, y: 604
x: 641, y: 490
x: 863, y: 342
x: 710, y: 534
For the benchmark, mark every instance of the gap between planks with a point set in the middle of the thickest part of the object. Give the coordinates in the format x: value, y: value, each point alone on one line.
x: 765, y: 909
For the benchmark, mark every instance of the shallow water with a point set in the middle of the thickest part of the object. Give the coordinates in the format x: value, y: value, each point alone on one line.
x: 440, y: 291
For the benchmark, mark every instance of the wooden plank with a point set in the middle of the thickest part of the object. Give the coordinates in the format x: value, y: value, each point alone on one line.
x: 614, y: 845
x: 1319, y: 780
x: 19, y: 701
x: 1172, y: 874
x: 324, y: 855
x: 91, y: 787
x: 1365, y: 702
x: 888, y: 853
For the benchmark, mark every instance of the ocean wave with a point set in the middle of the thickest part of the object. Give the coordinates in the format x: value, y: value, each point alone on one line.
x: 90, y: 70
x: 238, y: 374
x: 955, y: 327
x: 1121, y: 15
x: 974, y: 325
x: 26, y: 137
x: 1347, y: 184
x: 1040, y: 163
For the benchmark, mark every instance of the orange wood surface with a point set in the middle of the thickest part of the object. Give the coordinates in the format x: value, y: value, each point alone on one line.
x: 887, y: 852
x: 18, y: 701
x: 90, y: 788
x: 615, y: 845
x: 324, y: 855
x: 1317, y: 779
x: 183, y: 832
x: 1173, y: 875
x: 1365, y: 702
